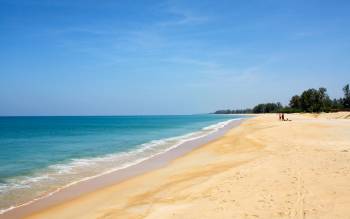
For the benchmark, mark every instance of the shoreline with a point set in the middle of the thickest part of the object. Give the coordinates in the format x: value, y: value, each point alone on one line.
x: 92, y: 184
x: 263, y: 168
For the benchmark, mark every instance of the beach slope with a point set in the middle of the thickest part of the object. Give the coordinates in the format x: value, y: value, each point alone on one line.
x: 264, y: 168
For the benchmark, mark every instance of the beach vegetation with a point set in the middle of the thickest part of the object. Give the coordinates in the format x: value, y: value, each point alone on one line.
x: 311, y: 100
x: 346, y: 100
x: 267, y: 108
x: 239, y: 111
x: 295, y: 102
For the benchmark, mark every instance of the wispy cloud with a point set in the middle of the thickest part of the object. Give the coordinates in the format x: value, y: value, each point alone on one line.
x: 83, y: 30
x: 146, y: 39
x: 181, y: 16
x: 303, y: 35
x: 153, y: 39
x: 227, y: 75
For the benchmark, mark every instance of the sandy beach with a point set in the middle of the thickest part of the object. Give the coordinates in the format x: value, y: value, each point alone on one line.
x: 174, y: 109
x: 263, y: 168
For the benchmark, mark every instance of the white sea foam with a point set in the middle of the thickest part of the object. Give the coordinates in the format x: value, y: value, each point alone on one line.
x: 82, y: 169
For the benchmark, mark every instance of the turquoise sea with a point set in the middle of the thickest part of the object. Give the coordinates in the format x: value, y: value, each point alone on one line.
x: 41, y: 154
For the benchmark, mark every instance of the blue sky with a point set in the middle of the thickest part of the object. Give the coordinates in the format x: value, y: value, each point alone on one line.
x: 61, y: 57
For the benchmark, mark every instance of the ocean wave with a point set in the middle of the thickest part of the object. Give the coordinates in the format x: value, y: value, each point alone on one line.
x: 63, y: 175
x: 143, y: 151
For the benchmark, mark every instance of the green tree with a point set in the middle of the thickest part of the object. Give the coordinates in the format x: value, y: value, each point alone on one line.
x: 313, y: 100
x: 267, y: 108
x: 325, y: 101
x: 337, y: 104
x: 307, y: 100
x: 295, y: 102
x: 346, y: 99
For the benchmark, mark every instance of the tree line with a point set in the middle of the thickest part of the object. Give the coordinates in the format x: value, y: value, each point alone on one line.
x: 311, y: 100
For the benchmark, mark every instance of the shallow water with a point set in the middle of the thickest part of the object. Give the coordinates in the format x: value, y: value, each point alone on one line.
x: 41, y: 154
